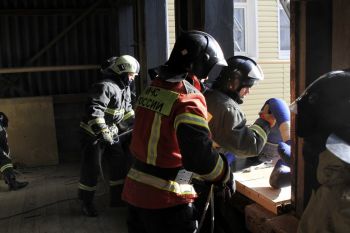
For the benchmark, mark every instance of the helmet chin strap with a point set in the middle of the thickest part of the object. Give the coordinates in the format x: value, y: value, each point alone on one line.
x: 234, y: 95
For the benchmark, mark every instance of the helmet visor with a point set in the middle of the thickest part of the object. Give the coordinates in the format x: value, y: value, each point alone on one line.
x: 256, y: 73
x: 294, y: 106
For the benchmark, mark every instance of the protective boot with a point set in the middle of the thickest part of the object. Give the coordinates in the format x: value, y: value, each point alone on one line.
x: 115, y: 196
x: 87, y: 205
x: 10, y: 180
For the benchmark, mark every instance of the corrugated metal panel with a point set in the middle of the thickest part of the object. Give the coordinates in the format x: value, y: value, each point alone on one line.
x: 28, y: 26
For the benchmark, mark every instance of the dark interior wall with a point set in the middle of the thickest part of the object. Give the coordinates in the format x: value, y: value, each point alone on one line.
x: 41, y: 33
x: 312, y: 23
x: 219, y: 23
x: 59, y: 33
x: 341, y: 35
x: 211, y: 16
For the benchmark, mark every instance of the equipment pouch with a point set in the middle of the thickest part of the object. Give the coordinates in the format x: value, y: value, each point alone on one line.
x: 184, y: 177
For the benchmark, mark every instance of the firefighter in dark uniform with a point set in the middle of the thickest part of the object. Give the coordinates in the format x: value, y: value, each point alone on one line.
x: 171, y: 139
x: 109, y: 113
x: 227, y: 122
x: 228, y: 125
x: 6, y: 166
x: 323, y: 121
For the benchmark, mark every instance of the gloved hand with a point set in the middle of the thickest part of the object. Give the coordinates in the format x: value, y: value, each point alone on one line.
x: 280, y: 176
x: 279, y: 109
x: 284, y: 151
x: 106, y: 136
x: 266, y: 115
x: 274, y: 136
x: 230, y: 158
x: 227, y: 187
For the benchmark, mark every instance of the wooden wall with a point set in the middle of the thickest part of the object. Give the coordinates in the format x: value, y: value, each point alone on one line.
x: 341, y: 34
x: 277, y: 71
x: 31, y: 132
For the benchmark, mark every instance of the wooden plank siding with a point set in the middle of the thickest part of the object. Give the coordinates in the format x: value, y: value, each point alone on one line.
x: 171, y: 25
x: 276, y: 71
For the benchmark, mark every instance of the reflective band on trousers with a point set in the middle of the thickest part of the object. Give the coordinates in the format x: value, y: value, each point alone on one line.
x: 3, y: 168
x: 167, y: 185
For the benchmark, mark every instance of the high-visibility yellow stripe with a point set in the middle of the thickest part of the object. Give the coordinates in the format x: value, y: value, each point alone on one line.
x: 116, y: 182
x: 217, y: 171
x: 256, y: 128
x: 167, y: 185
x: 114, y: 111
x: 153, y: 140
x: 189, y: 118
x: 6, y: 166
x: 87, y: 188
x: 128, y: 115
x: 98, y: 120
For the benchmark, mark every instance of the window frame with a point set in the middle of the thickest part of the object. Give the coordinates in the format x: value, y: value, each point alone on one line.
x: 251, y: 27
x: 282, y: 54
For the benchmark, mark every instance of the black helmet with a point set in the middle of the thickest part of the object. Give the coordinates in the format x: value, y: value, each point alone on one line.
x: 245, y: 69
x: 324, y: 106
x: 196, y: 52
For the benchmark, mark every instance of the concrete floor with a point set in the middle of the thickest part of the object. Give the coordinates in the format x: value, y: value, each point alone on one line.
x: 49, y: 205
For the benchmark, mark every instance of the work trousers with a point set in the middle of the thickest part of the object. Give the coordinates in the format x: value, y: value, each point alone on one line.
x: 6, y: 166
x: 118, y: 160
x: 176, y: 219
x: 5, y: 161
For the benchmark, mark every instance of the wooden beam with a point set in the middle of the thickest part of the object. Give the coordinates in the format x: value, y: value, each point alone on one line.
x: 47, y: 69
x: 48, y: 12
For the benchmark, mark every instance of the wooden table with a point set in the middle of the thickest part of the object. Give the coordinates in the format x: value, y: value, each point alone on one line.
x: 253, y: 183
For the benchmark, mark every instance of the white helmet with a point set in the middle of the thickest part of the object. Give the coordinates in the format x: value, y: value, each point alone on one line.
x: 120, y: 65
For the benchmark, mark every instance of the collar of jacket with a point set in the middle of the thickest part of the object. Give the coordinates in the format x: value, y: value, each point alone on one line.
x: 338, y: 147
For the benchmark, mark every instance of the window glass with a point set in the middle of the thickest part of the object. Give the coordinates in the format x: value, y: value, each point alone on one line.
x: 239, y: 30
x: 284, y: 30
x: 245, y: 28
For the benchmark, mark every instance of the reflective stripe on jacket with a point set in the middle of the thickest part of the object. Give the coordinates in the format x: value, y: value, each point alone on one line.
x: 109, y: 103
x: 229, y: 129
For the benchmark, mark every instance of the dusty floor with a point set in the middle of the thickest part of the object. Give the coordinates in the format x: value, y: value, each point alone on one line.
x: 49, y: 205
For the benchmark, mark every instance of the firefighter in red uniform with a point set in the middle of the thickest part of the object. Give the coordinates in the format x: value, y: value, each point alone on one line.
x: 108, y: 113
x: 171, y: 139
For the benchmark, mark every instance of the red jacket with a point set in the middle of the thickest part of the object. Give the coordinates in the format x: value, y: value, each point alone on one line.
x: 164, y: 111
